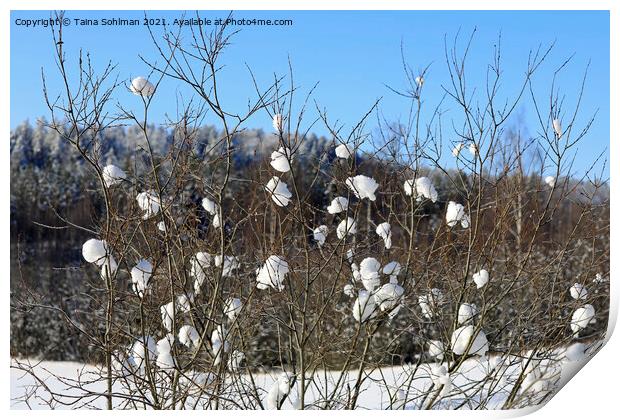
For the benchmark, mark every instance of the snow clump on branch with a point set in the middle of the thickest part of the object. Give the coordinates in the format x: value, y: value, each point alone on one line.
x: 140, y: 276
x: 272, y: 273
x: 346, y: 227
x: 384, y: 230
x: 280, y: 159
x: 142, y: 87
x: 279, y: 191
x: 456, y: 213
x: 149, y: 203
x: 343, y: 151
x: 338, y: 204
x: 113, y: 175
x: 463, y: 336
x: 363, y: 187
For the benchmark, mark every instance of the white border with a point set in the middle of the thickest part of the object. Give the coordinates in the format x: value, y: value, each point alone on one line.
x: 592, y: 393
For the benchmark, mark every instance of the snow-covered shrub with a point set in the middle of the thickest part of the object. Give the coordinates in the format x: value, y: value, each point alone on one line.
x: 181, y: 272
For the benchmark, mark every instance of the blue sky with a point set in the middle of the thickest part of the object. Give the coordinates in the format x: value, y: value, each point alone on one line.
x: 352, y: 55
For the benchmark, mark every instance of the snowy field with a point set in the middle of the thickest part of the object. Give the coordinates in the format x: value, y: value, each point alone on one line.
x: 478, y: 383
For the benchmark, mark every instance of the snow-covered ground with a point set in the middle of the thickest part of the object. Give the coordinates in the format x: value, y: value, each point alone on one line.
x: 385, y: 388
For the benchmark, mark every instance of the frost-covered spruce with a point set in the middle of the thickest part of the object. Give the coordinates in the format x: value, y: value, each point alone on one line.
x: 463, y: 336
x: 142, y: 87
x: 467, y: 313
x: 233, y: 308
x: 363, y: 187
x: 481, y: 278
x: 113, y: 175
x: 149, y: 203
x: 280, y: 160
x: 189, y: 337
x: 384, y: 230
x: 578, y: 291
x: 346, y: 227
x: 272, y: 273
x: 140, y: 275
x: 338, y: 204
x: 279, y: 191
x: 455, y: 214
x: 364, y: 307
x: 95, y: 251
x: 409, y: 187
x: 320, y: 234
x: 343, y: 151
